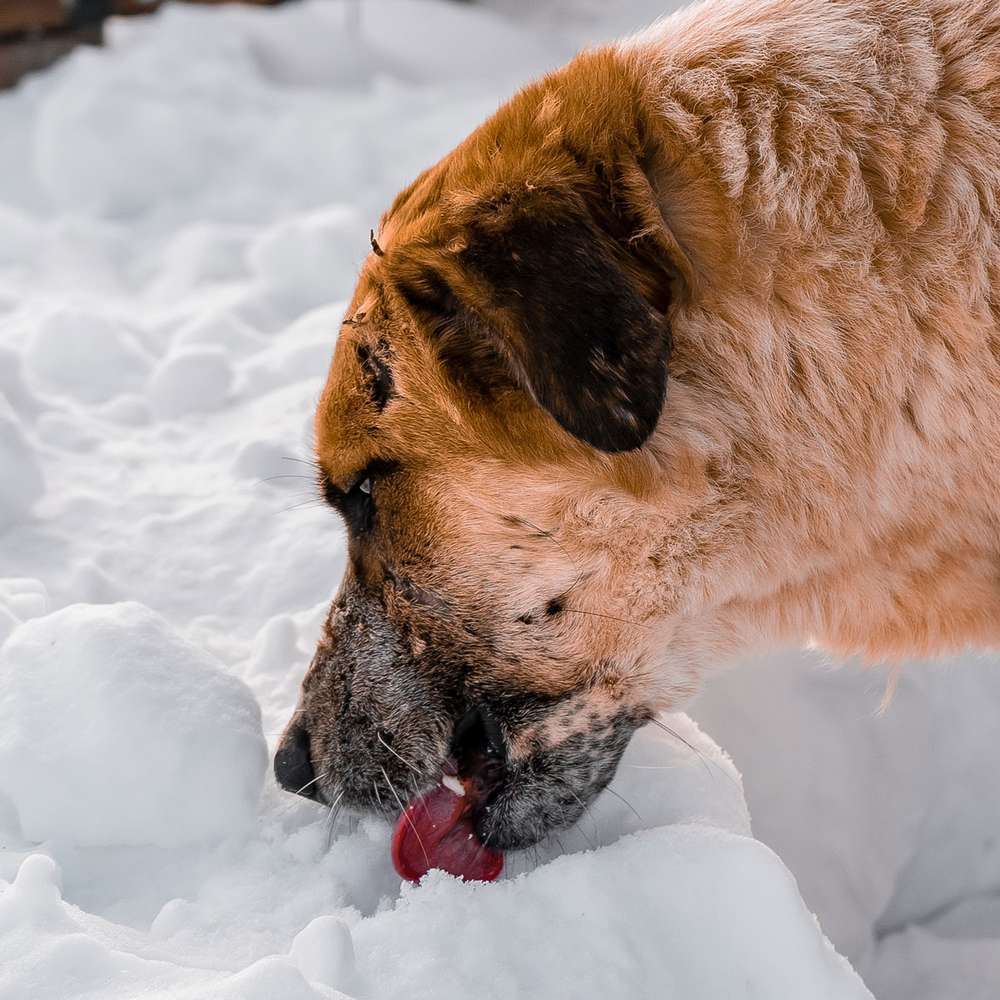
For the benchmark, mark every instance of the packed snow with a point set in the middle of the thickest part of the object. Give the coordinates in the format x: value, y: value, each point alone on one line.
x: 181, y: 217
x: 115, y: 730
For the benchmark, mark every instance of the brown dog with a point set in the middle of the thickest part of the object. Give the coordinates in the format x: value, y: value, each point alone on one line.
x: 792, y: 207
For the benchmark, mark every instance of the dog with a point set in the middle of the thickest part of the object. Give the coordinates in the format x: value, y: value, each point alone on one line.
x: 693, y: 347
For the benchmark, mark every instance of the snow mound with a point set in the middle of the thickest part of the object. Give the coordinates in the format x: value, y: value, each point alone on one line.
x: 192, y: 380
x: 20, y: 598
x: 713, y: 915
x: 26, y: 598
x: 21, y: 482
x: 201, y: 253
x: 324, y: 952
x: 52, y: 951
x: 12, y: 383
x: 85, y: 356
x: 308, y: 260
x: 114, y: 730
x: 222, y: 330
x: 670, y: 774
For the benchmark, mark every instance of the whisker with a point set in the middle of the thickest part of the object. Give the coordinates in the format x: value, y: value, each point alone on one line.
x: 622, y: 799
x: 377, y: 796
x: 598, y: 614
x: 550, y: 535
x: 677, y: 736
x: 284, y: 475
x: 581, y: 575
x: 398, y: 757
x: 313, y: 502
x: 587, y: 812
x: 332, y: 817
x: 704, y: 761
x: 319, y: 777
x: 654, y: 767
x: 402, y: 809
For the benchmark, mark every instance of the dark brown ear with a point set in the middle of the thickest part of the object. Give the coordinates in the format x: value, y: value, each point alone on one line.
x: 544, y: 281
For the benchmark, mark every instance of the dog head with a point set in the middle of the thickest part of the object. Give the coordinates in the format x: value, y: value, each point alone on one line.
x: 487, y: 434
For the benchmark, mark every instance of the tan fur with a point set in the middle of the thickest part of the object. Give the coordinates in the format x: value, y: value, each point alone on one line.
x: 827, y: 464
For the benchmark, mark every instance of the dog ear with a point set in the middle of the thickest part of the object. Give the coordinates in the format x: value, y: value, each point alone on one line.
x: 552, y: 284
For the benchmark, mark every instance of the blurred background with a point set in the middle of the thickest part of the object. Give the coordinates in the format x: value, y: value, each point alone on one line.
x: 37, y: 32
x: 188, y: 188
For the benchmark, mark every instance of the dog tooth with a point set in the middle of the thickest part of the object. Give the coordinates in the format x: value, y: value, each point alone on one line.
x: 451, y: 782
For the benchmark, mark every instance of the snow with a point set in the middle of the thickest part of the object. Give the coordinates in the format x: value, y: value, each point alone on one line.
x: 19, y: 492
x: 116, y: 730
x: 85, y: 356
x: 307, y: 260
x: 888, y: 820
x: 280, y: 912
x: 181, y: 217
x: 324, y: 952
x: 737, y: 927
x: 190, y: 380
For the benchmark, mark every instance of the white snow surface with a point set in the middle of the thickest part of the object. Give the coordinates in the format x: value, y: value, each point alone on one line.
x: 181, y: 217
x: 115, y: 730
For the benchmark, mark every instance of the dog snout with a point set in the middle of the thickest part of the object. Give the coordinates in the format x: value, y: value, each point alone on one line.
x: 293, y: 769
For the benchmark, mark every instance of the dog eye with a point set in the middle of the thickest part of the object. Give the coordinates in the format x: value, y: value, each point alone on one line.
x: 357, y: 507
x: 356, y: 503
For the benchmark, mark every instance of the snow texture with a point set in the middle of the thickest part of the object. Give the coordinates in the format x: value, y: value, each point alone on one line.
x: 181, y: 217
x: 115, y: 730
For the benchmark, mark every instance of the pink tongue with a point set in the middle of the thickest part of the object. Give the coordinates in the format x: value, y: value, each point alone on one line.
x: 436, y: 831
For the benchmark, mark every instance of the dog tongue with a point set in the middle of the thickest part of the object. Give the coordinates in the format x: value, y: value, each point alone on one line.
x: 436, y: 831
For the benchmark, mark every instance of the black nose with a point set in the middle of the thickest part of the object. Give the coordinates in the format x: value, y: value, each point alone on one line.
x: 292, y: 767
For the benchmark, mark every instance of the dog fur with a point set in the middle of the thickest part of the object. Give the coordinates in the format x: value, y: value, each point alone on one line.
x: 693, y: 347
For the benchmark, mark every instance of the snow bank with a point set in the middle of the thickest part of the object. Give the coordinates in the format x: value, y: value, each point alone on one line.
x: 904, y: 854
x: 115, y: 730
x: 709, y: 915
x: 920, y: 964
x: 685, y: 905
x: 54, y: 951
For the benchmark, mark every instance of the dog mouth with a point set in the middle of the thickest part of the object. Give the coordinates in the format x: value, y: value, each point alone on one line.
x: 489, y: 801
x: 438, y: 830
x: 496, y: 782
x: 444, y: 828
